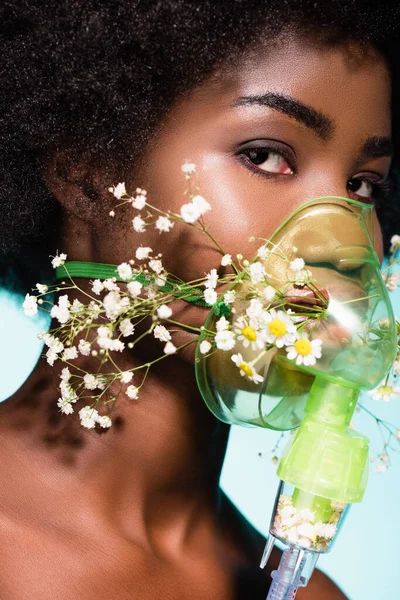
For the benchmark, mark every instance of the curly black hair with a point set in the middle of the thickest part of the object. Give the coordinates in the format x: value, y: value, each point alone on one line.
x: 96, y: 77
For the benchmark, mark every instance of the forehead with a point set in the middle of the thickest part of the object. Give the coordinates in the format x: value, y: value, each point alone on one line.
x: 351, y: 85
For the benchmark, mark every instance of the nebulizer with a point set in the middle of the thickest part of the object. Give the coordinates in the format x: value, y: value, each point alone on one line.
x: 341, y: 301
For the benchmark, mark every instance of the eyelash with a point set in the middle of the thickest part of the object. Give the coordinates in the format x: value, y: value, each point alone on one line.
x: 380, y: 188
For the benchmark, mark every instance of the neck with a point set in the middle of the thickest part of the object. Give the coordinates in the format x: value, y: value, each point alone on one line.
x: 164, y: 449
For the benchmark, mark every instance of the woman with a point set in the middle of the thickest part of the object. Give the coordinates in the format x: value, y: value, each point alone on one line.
x: 276, y: 103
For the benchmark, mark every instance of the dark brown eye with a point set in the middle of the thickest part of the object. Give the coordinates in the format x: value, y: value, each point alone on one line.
x: 269, y: 161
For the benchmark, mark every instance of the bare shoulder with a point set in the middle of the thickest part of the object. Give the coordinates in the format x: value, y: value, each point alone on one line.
x: 320, y: 587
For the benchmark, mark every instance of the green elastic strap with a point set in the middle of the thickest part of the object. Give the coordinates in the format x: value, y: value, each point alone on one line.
x: 90, y: 270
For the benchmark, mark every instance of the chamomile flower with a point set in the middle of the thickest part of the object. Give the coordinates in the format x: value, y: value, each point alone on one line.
x: 246, y: 369
x: 385, y: 392
x: 304, y: 350
x: 280, y: 329
x: 248, y: 335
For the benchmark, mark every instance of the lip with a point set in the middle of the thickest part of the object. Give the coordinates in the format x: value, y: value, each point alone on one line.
x: 299, y: 297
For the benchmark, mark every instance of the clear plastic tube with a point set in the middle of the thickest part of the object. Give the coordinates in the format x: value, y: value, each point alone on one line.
x: 287, y: 579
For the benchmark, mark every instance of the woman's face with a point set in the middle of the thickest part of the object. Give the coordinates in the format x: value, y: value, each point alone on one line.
x: 284, y: 126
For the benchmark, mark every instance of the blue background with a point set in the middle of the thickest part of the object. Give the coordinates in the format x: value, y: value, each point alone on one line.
x: 365, y: 560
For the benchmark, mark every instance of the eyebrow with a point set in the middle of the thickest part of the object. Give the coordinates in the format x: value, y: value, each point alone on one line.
x: 308, y: 116
x: 373, y: 148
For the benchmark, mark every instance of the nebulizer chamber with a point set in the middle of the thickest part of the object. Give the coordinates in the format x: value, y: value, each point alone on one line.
x: 340, y: 299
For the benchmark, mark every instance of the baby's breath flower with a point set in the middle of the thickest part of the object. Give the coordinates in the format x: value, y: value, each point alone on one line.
x: 263, y: 252
x: 110, y: 285
x: 394, y: 243
x: 125, y: 271
x: 164, y: 224
x: 132, y: 392
x: 201, y: 204
x: 42, y: 289
x: 61, y: 311
x: 88, y: 417
x: 257, y: 272
x: 164, y: 311
x: 59, y: 260
x: 70, y: 353
x: 30, y: 305
x: 143, y: 252
x: 114, y: 305
x: 222, y: 324
x: 226, y: 260
x: 65, y: 374
x: 134, y: 288
x: 210, y: 296
x: 391, y: 281
x: 230, y: 297
x: 190, y: 213
x: 297, y: 265
x: 169, y: 348
x: 224, y: 340
x: 77, y: 306
x: 90, y: 381
x: 126, y: 376
x: 246, y: 369
x: 161, y: 333
x: 156, y: 265
x: 118, y: 191
x: 269, y: 293
x: 117, y: 345
x: 65, y: 406
x: 84, y: 347
x: 139, y: 202
x: 211, y: 279
x: 104, y: 421
x: 126, y: 327
x: 204, y: 347
x: 138, y: 224
x: 188, y: 168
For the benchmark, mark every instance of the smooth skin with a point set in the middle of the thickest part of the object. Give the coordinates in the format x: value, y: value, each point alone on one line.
x: 136, y: 512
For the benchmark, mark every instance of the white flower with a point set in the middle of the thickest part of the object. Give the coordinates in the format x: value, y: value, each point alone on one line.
x: 126, y: 376
x: 59, y: 260
x: 139, y: 201
x: 201, y: 204
x: 226, y: 260
x: 97, y: 287
x: 204, y: 347
x: 263, y: 252
x: 230, y: 297
x: 143, y: 252
x: 257, y: 272
x: 161, y: 333
x: 280, y: 329
x: 380, y: 468
x: 77, y: 306
x: 190, y: 213
x: 224, y: 340
x: 164, y: 311
x: 164, y: 224
x: 65, y: 406
x: 392, y: 281
x: 384, y: 457
x: 118, y: 191
x: 269, y: 293
x: 126, y: 327
x: 104, y: 421
x: 90, y: 381
x: 210, y: 296
x: 305, y: 351
x: 65, y: 374
x: 30, y: 305
x: 394, y: 243
x: 88, y: 417
x: 297, y: 265
x: 246, y: 370
x: 110, y: 285
x: 222, y: 324
x: 385, y: 392
x: 138, y: 224
x: 70, y: 353
x: 303, y: 277
x: 114, y: 305
x: 169, y: 348
x: 306, y: 514
x: 156, y: 266
x: 188, y: 168
x: 84, y: 347
x: 41, y: 288
x: 134, y: 288
x: 117, y: 345
x: 125, y: 271
x: 132, y: 392
x: 248, y: 335
x: 211, y: 279
x: 61, y: 311
x: 307, y: 530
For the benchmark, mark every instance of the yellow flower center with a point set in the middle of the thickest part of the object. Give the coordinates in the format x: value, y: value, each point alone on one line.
x: 277, y: 327
x: 249, y: 333
x: 247, y: 370
x: 303, y: 347
x: 385, y: 390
